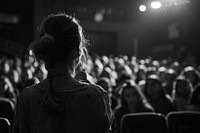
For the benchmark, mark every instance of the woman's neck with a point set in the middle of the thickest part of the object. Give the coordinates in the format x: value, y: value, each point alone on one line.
x: 63, y: 76
x: 62, y: 70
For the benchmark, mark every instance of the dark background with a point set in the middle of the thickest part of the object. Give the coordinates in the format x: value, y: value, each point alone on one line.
x: 122, y: 22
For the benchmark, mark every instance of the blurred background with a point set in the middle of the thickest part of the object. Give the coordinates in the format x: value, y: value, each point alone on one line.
x: 141, y: 28
x: 135, y: 44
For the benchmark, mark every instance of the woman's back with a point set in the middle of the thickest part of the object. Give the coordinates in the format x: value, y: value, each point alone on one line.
x: 84, y: 110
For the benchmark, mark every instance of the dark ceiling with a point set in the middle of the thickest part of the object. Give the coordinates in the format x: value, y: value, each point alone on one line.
x: 115, y: 10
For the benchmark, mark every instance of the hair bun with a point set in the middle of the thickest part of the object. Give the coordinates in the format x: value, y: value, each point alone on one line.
x: 46, y: 44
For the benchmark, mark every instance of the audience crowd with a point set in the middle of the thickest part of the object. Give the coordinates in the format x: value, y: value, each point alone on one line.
x: 134, y: 85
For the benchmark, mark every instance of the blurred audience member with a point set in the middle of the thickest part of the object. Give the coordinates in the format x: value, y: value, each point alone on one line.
x: 192, y: 74
x: 194, y: 102
x: 7, y: 89
x: 131, y: 101
x: 170, y: 77
x: 156, y: 95
x: 181, y: 93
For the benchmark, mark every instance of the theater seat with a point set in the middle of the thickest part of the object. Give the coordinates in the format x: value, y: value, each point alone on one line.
x: 183, y: 122
x: 4, y: 125
x: 143, y: 123
x: 7, y: 109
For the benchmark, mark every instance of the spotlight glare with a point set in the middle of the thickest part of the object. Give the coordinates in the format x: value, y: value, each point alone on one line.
x: 142, y: 8
x: 98, y: 17
x: 155, y: 4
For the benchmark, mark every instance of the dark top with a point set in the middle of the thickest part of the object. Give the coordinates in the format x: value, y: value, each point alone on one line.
x: 120, y: 111
x: 87, y: 110
x: 163, y: 105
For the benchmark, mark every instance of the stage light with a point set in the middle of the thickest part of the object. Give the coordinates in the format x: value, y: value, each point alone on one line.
x: 98, y: 17
x: 156, y: 4
x: 142, y: 8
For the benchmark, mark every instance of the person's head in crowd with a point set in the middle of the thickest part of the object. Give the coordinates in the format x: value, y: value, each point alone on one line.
x: 124, y: 69
x: 182, y: 87
x: 153, y: 88
x: 6, y: 66
x: 131, y: 95
x: 151, y: 70
x: 42, y: 72
x: 98, y: 68
x: 148, y: 61
x: 162, y: 73
x: 133, y: 64
x: 105, y: 60
x: 170, y: 75
x: 106, y: 73
x: 164, y: 62
x: 119, y: 63
x: 157, y: 96
x: 60, y: 45
x: 105, y: 83
x: 192, y: 74
x: 16, y: 76
x: 123, y: 77
x: 29, y: 77
x: 182, y: 90
x: 86, y: 66
x: 110, y: 74
x: 7, y: 89
x: 141, y: 73
x: 156, y: 64
x: 169, y: 80
x: 111, y: 63
x: 131, y: 101
x: 194, y: 102
x: 176, y: 66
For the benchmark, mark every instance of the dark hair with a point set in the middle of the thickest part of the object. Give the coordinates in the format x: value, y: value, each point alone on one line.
x: 128, y: 85
x: 59, y: 36
x: 142, y: 103
x: 194, y: 98
x: 106, y: 81
x: 179, y: 80
x: 155, y: 79
x: 194, y: 71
